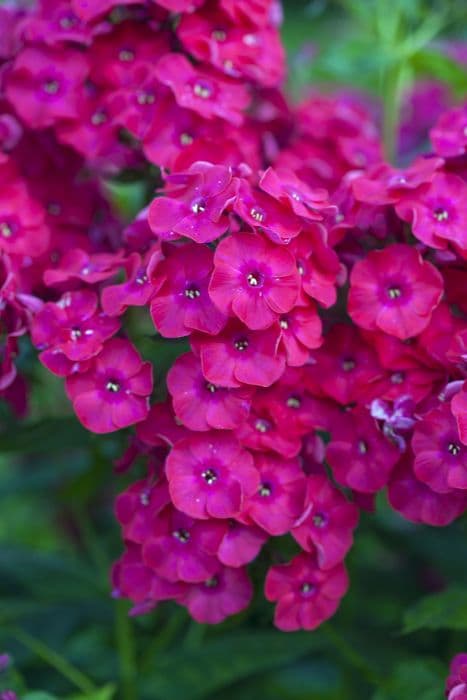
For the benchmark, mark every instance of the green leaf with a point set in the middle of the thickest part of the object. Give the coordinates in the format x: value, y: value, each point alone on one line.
x: 48, y: 435
x: 446, y: 610
x: 418, y: 678
x: 437, y: 65
x: 39, y: 695
x: 105, y: 693
x: 219, y: 662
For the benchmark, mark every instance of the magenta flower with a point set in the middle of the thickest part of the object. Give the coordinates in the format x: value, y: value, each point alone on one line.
x: 383, y: 184
x: 306, y: 595
x: 90, y: 10
x: 418, y: 503
x: 436, y: 213
x: 239, y: 356
x: 135, y: 291
x: 253, y: 280
x: 267, y: 429
x: 138, y: 508
x: 226, y: 593
x: 265, y: 213
x: 240, y: 544
x: 76, y: 264
x: 202, y: 90
x: 196, y: 204
x: 440, y: 457
x: 210, y: 475
x: 327, y: 524
x: 115, y: 57
x: 113, y: 393
x: 279, y: 499
x: 301, y: 331
x: 359, y: 455
x: 160, y: 428
x: 181, y: 303
x: 345, y: 368
x: 23, y: 230
x: 45, y: 83
x: 199, y: 404
x: 394, y: 290
x: 456, y: 684
x: 285, y: 186
x: 317, y: 264
x: 235, y: 48
x: 132, y: 579
x: 449, y: 135
x: 182, y: 549
x: 459, y: 411
x: 71, y: 331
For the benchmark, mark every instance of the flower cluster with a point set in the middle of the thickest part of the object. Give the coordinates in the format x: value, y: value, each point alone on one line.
x: 321, y: 292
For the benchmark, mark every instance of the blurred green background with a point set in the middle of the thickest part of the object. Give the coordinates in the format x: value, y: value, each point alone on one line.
x: 406, y: 612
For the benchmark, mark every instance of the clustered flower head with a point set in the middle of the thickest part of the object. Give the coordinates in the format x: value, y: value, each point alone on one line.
x: 322, y: 293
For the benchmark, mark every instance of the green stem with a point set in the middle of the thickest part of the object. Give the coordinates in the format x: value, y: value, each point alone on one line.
x: 353, y: 657
x: 126, y: 651
x: 393, y: 84
x: 58, y: 662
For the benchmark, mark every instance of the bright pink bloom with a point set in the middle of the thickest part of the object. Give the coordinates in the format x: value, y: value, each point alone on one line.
x: 237, y: 49
x: 306, y: 595
x: 359, y: 455
x: 327, y: 523
x: 138, y: 508
x: 449, y: 135
x: 266, y: 429
x: 180, y: 302
x: 284, y: 185
x: 279, y: 498
x: 90, y: 10
x: 113, y: 393
x: 160, y: 428
x: 383, y: 184
x: 437, y: 214
x: 201, y: 405
x: 226, y: 593
x: 394, y: 290
x: 23, y: 230
x: 317, y: 264
x: 300, y: 332
x: 202, y: 90
x: 44, y: 85
x: 196, y: 204
x: 456, y: 684
x: 115, y: 56
x: 71, y: 331
x: 459, y: 410
x: 239, y: 356
x: 345, y: 368
x: 265, y: 213
x: 240, y: 544
x: 440, y: 457
x: 132, y: 579
x: 76, y: 264
x: 253, y: 279
x: 135, y: 291
x: 418, y: 503
x: 182, y: 549
x: 210, y: 475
